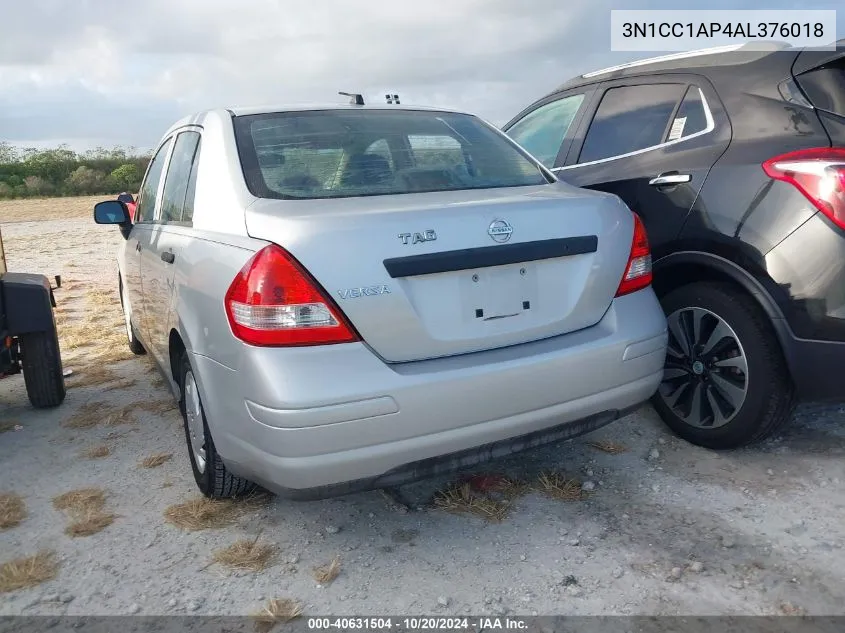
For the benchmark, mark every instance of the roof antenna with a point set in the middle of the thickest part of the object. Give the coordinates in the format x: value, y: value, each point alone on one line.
x: 354, y: 99
x: 392, y: 99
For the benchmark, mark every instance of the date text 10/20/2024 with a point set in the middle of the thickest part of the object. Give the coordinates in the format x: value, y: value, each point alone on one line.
x: 417, y: 624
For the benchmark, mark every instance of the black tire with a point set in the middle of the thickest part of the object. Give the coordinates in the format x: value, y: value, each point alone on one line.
x: 769, y: 393
x: 214, y: 480
x: 42, y: 369
x: 135, y: 345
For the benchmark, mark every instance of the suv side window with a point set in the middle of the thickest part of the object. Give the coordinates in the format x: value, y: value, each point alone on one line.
x: 178, y: 174
x: 630, y: 118
x: 188, y: 209
x: 149, y: 190
x: 436, y: 151
x: 381, y: 148
x: 542, y: 131
x: 825, y: 86
x: 691, y: 117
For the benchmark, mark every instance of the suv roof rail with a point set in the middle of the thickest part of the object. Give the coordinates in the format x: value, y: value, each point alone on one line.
x: 675, y: 56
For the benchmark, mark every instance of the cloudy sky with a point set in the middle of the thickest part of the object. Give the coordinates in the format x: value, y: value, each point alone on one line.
x: 104, y: 72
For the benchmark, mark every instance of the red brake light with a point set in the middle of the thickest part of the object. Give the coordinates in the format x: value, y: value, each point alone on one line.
x: 819, y: 174
x: 273, y: 301
x: 638, y: 271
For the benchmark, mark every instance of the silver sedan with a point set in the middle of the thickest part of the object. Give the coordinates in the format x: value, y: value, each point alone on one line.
x: 351, y: 297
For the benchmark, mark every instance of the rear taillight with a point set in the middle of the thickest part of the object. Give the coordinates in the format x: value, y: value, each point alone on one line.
x: 819, y: 174
x: 638, y: 271
x: 275, y: 302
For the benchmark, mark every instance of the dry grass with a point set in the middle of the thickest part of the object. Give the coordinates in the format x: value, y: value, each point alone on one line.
x: 12, y: 510
x: 96, y: 375
x: 93, y: 414
x: 202, y: 513
x: 606, y: 446
x: 102, y: 298
x: 559, y: 486
x: 460, y: 498
x: 246, y: 554
x: 89, y: 415
x: 278, y: 610
x: 90, y: 523
x: 96, y: 452
x: 29, y: 571
x: 36, y: 209
x: 86, y: 508
x: 324, y: 574
x: 157, y: 407
x: 153, y: 461
x: 81, y: 500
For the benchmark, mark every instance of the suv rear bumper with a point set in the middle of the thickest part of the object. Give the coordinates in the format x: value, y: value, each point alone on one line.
x: 816, y: 368
x: 320, y: 421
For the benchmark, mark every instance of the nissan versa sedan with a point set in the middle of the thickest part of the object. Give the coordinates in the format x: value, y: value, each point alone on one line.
x: 353, y: 297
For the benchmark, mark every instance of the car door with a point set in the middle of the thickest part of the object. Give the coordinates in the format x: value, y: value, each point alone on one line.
x: 139, y: 240
x: 652, y: 142
x: 545, y: 128
x: 169, y: 237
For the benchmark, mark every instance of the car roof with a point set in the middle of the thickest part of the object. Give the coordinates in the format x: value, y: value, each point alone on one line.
x: 703, y: 61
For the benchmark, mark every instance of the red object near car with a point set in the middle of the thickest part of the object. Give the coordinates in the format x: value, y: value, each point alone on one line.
x: 129, y: 201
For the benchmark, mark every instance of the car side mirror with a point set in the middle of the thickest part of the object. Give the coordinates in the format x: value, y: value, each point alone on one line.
x: 111, y: 212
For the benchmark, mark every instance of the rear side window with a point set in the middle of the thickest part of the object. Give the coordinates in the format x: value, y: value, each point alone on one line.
x: 630, y: 118
x: 825, y: 86
x: 349, y: 153
x: 149, y: 190
x: 542, y: 131
x: 691, y: 117
x: 190, y: 194
x: 178, y: 174
x: 436, y: 151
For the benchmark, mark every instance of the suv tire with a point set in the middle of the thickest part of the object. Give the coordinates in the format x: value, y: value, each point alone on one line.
x: 726, y: 383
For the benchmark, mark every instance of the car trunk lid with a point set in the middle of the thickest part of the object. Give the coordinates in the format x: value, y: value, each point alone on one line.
x: 437, y: 274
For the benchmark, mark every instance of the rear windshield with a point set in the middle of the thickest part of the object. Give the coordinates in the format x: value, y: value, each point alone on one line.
x: 346, y: 153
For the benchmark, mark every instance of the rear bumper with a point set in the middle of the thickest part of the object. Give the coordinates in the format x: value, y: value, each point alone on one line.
x: 816, y: 368
x: 312, y: 422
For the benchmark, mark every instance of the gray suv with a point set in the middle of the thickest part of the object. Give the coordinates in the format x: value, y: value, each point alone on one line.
x: 352, y: 297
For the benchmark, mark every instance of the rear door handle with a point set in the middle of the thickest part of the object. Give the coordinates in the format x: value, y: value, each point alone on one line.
x: 167, y: 257
x: 671, y: 178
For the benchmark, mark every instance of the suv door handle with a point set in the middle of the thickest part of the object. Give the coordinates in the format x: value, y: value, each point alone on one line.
x: 167, y: 257
x: 669, y: 178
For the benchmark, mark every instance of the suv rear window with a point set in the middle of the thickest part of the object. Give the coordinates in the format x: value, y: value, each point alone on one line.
x: 825, y: 86
x: 347, y: 153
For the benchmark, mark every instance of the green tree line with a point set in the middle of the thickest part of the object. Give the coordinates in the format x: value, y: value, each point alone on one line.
x: 34, y: 173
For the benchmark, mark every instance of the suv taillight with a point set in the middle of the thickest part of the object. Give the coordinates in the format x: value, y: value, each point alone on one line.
x: 273, y: 301
x: 819, y: 174
x: 638, y: 271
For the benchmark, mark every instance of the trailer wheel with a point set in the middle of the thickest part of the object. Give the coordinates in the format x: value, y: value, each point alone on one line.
x: 42, y: 369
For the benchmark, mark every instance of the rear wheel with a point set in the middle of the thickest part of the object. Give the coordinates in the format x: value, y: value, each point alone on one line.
x: 42, y: 368
x: 135, y: 345
x: 210, y: 473
x: 725, y: 382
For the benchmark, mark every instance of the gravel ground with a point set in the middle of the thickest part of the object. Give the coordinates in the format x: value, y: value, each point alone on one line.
x: 667, y: 528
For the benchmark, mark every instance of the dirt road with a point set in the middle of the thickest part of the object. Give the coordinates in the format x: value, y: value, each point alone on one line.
x: 662, y: 527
